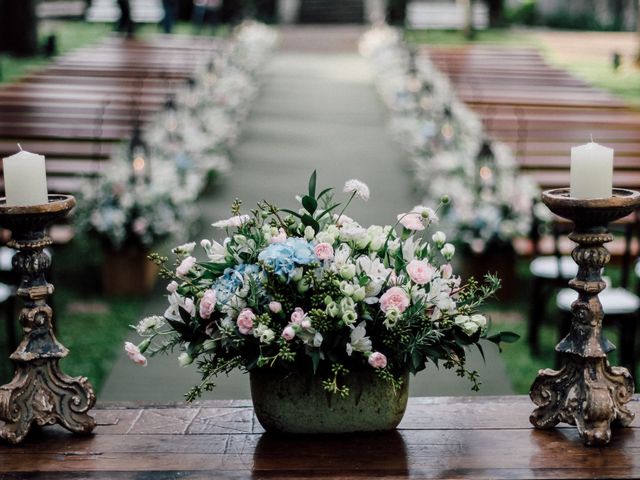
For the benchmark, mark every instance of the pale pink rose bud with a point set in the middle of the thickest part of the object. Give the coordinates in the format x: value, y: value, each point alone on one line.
x: 275, y: 307
x: 133, y: 352
x: 446, y: 271
x: 297, y: 316
x: 394, y: 297
x: 288, y: 333
x: 281, y: 237
x: 172, y: 287
x: 245, y: 321
x: 208, y: 304
x: 377, y: 360
x: 420, y: 271
x: 185, y: 266
x: 190, y: 307
x: 323, y: 251
x: 305, y: 323
x: 411, y: 221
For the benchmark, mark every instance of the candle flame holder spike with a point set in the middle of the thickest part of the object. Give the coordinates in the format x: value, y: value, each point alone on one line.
x: 586, y: 392
x: 39, y: 393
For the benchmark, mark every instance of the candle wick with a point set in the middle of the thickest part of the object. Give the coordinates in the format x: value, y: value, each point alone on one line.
x: 20, y: 147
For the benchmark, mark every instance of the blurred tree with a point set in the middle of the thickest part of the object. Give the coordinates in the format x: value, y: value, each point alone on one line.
x: 18, y: 27
x: 496, y: 10
x: 469, y: 31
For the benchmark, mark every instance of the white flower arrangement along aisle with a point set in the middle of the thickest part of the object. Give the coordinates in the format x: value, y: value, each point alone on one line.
x: 188, y: 144
x: 450, y: 153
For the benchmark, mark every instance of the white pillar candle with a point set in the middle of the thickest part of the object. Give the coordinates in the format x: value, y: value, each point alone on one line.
x: 25, y: 179
x: 591, y: 171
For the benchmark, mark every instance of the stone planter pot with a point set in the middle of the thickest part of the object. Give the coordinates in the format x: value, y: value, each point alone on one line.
x: 294, y: 403
x: 128, y: 272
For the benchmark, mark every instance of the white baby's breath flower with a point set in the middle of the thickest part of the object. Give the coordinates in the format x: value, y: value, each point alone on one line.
x: 360, y: 189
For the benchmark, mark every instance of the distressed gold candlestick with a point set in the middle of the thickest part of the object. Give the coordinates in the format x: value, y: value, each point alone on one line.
x: 586, y: 392
x: 39, y: 392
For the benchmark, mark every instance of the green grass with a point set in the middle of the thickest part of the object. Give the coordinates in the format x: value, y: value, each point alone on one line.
x: 503, y: 37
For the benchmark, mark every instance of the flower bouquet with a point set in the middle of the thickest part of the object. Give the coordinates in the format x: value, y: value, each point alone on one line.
x: 321, y: 311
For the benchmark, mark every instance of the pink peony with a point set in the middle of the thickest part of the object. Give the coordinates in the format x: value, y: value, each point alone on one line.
x: 394, y: 297
x: 377, y: 360
x: 245, y: 321
x: 275, y: 307
x: 411, y: 221
x: 185, y: 266
x: 172, y: 287
x: 288, y: 333
x: 207, y: 304
x: 134, y: 354
x: 297, y: 316
x: 281, y: 237
x: 323, y: 251
x: 420, y: 271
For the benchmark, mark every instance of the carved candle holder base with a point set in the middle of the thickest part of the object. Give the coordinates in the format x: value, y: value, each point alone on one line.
x: 586, y: 392
x: 39, y: 392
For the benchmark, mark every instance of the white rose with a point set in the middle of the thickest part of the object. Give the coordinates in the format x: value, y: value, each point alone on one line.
x: 448, y: 251
x: 439, y: 238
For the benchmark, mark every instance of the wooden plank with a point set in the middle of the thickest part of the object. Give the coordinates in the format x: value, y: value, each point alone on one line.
x: 445, y: 437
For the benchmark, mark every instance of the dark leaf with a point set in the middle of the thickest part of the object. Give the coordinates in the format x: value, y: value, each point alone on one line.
x: 315, y: 358
x: 291, y: 212
x: 324, y: 192
x: 312, y: 185
x: 182, y: 329
x: 309, y: 221
x: 329, y: 210
x: 506, y: 337
x: 310, y: 204
x: 481, y: 350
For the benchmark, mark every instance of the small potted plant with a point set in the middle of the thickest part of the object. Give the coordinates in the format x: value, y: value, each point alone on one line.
x: 328, y: 317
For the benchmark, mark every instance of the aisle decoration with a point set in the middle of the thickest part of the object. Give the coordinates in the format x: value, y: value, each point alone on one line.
x: 150, y: 187
x: 320, y: 309
x: 449, y: 151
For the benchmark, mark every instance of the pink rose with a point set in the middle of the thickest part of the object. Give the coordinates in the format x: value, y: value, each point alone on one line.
x: 288, y: 333
x: 411, y: 221
x: 446, y: 271
x: 275, y: 307
x: 420, y: 271
x: 245, y: 321
x: 134, y: 354
x: 185, y: 266
x: 297, y: 316
x: 377, y: 360
x: 323, y: 251
x: 207, y: 304
x: 172, y: 287
x: 306, y: 323
x: 281, y: 237
x: 394, y: 297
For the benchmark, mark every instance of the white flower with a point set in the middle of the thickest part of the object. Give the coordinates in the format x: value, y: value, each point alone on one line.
x: 236, y: 221
x: 216, y: 252
x: 264, y: 333
x: 360, y: 189
x: 479, y: 320
x: 359, y: 342
x: 149, y: 324
x: 175, y: 303
x: 439, y: 238
x: 448, y: 251
x: 184, y: 359
x: 185, y: 249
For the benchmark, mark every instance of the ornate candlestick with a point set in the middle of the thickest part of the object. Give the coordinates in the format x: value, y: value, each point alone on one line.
x: 586, y: 391
x: 39, y: 392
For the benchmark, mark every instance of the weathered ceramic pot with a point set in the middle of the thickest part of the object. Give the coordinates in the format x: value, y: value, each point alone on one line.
x: 294, y: 403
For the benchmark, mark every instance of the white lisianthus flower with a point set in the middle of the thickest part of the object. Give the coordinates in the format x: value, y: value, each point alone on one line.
x: 439, y: 238
x: 349, y: 317
x: 185, y: 249
x: 360, y: 189
x: 353, y: 233
x: 216, y: 252
x: 479, y: 320
x: 264, y: 333
x: 448, y: 251
x: 347, y: 304
x: 325, y: 237
x: 391, y: 317
x: 347, y: 271
x: 149, y: 324
x: 358, y: 340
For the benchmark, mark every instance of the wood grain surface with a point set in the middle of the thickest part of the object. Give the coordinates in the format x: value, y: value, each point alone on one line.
x: 440, y: 437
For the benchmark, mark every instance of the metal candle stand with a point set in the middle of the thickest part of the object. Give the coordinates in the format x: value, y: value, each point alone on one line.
x: 39, y: 392
x: 586, y: 391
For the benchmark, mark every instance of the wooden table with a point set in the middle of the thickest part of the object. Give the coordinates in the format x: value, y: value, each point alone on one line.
x: 440, y: 437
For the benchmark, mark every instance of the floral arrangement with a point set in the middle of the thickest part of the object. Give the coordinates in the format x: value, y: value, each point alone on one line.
x: 312, y: 291
x: 186, y: 146
x: 449, y: 150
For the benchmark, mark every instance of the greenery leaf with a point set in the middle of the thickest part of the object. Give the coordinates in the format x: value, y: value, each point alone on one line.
x: 324, y: 192
x: 310, y: 204
x: 291, y: 212
x: 312, y: 185
x: 505, y: 337
x: 309, y: 221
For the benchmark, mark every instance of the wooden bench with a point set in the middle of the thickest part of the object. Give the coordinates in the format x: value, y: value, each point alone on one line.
x: 441, y: 437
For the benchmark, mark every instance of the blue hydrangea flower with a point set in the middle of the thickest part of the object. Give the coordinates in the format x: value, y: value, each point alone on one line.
x: 232, y: 280
x: 285, y: 256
